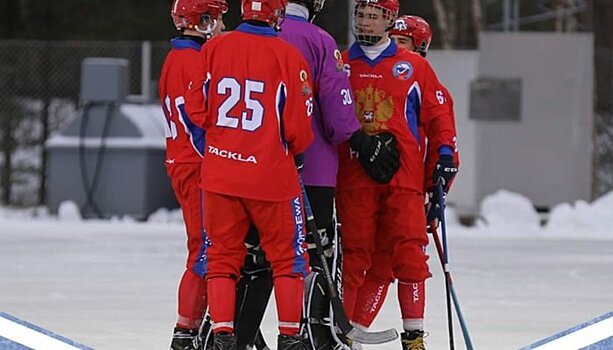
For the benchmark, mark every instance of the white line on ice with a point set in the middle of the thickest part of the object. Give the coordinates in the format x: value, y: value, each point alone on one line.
x: 581, y: 338
x: 31, y: 338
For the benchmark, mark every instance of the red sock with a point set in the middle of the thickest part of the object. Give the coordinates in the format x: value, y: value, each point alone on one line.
x: 288, y: 295
x: 222, y: 299
x: 412, y: 298
x: 192, y: 300
x: 370, y: 298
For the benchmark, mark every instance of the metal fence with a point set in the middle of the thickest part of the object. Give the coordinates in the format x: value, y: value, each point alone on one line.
x: 39, y: 93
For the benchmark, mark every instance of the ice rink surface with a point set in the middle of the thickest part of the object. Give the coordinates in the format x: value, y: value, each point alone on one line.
x: 112, y: 285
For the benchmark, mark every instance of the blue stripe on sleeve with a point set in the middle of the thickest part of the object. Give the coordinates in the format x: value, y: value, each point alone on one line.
x: 196, y: 134
x: 412, y: 110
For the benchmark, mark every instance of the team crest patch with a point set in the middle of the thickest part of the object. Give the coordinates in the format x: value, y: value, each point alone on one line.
x: 403, y: 70
x: 339, y: 60
x: 306, y: 87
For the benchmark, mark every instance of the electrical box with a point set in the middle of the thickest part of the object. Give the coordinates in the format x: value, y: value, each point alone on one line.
x: 104, y: 79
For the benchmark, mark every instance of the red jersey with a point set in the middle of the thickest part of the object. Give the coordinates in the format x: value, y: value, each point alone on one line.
x: 184, y: 139
x: 433, y: 150
x: 252, y: 94
x: 398, y: 92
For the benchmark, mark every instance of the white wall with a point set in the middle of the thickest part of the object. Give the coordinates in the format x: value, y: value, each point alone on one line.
x: 547, y: 155
x: 456, y: 69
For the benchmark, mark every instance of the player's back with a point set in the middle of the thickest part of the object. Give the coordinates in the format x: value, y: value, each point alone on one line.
x: 333, y: 119
x: 309, y: 39
x: 257, y: 102
x: 184, y: 140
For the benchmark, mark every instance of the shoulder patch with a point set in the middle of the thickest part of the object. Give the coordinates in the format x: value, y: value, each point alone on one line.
x: 339, y: 60
x: 337, y: 55
x: 303, y: 76
x: 306, y: 87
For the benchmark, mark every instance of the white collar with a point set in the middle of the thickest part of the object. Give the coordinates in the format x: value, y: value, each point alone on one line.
x: 297, y: 10
x: 374, y: 51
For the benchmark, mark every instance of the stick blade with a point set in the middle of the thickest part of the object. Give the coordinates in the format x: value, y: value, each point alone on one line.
x: 378, y: 337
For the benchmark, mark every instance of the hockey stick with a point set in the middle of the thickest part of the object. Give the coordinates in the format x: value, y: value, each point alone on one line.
x: 456, y: 301
x: 260, y: 342
x: 441, y: 202
x: 340, y: 317
x: 444, y: 258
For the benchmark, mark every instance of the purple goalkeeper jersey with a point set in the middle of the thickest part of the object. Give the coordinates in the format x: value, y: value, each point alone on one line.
x: 334, y: 119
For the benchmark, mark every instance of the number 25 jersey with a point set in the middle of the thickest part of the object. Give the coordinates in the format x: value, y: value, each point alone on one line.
x: 252, y: 94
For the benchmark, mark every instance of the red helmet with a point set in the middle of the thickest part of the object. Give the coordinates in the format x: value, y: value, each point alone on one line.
x: 188, y: 14
x: 268, y: 11
x: 393, y: 6
x: 415, y: 28
x: 370, y: 36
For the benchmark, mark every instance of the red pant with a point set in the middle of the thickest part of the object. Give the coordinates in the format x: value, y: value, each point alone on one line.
x: 372, y: 293
x: 370, y: 216
x: 282, y: 237
x: 280, y: 225
x: 185, y: 178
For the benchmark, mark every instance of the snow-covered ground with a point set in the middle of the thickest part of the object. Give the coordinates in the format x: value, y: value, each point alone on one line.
x: 112, y: 284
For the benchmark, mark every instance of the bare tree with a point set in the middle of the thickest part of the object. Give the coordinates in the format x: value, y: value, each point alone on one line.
x: 441, y: 13
x: 452, y: 21
x: 477, y: 17
x: 565, y: 19
x: 571, y: 20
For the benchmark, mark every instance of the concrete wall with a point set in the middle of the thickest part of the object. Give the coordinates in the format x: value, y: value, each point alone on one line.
x: 547, y: 154
x: 456, y: 69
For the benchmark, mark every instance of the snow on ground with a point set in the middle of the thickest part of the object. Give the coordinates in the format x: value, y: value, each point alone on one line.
x: 112, y: 284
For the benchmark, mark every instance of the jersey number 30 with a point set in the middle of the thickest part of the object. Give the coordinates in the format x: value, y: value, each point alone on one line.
x: 233, y: 89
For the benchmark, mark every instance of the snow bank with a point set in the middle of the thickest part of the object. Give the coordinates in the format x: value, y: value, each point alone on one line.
x: 502, y: 213
x: 506, y: 211
x: 24, y: 213
x: 582, y: 218
x: 164, y: 215
x: 69, y: 211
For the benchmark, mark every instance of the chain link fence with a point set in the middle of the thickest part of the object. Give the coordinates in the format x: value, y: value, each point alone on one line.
x: 39, y: 93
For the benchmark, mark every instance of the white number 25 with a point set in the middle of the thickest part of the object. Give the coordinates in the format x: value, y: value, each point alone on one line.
x: 232, y: 88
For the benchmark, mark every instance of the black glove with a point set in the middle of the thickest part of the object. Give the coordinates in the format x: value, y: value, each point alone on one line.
x: 377, y: 154
x: 299, y: 161
x: 433, y: 208
x: 445, y: 170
